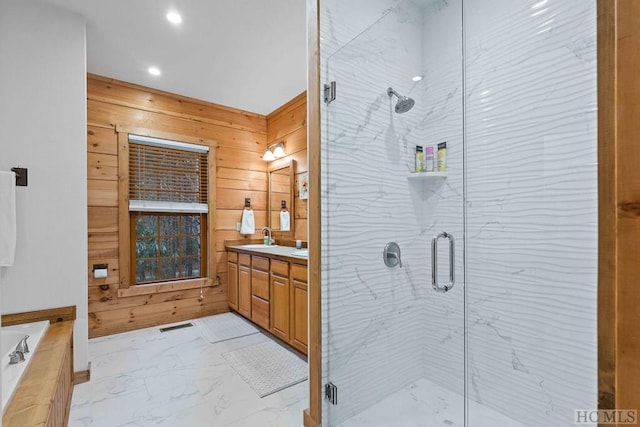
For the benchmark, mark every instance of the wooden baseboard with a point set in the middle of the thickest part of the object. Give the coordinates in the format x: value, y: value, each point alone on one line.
x: 53, y: 315
x: 308, y: 420
x: 82, y: 376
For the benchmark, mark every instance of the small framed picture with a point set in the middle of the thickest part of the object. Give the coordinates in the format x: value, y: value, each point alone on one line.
x: 303, y: 185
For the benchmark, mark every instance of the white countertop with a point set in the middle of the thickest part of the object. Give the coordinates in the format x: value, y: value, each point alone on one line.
x: 287, y: 251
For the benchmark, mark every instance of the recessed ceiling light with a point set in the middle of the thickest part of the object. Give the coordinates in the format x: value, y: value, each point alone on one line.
x: 154, y: 71
x: 416, y: 78
x: 174, y: 17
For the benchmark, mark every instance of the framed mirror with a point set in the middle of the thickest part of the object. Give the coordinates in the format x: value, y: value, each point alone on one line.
x: 281, y: 200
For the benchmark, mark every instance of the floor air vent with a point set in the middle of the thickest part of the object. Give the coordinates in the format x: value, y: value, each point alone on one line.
x: 173, y: 328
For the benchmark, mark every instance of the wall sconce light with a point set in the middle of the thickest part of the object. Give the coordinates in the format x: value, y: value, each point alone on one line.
x: 278, y: 151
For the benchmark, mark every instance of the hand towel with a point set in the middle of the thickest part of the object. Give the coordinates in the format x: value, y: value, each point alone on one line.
x: 7, y: 218
x: 285, y: 221
x: 248, y: 222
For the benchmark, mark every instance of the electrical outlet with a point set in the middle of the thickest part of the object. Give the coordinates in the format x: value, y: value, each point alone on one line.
x: 238, y: 226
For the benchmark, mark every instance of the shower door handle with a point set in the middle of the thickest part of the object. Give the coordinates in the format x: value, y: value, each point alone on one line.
x: 434, y: 262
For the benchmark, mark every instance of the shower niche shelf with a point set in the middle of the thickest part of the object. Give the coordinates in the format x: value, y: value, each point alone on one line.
x: 427, y: 176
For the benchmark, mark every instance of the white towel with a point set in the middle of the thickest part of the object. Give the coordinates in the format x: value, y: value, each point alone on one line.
x: 7, y: 218
x: 248, y: 222
x: 285, y: 221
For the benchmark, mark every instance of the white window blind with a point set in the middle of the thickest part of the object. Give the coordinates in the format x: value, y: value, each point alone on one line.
x: 167, y: 176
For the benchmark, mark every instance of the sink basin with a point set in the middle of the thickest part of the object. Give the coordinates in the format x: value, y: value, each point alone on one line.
x: 303, y: 253
x: 259, y: 246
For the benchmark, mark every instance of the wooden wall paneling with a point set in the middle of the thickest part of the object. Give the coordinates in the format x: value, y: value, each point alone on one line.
x: 102, y: 140
x: 288, y: 124
x: 606, y: 205
x: 111, y: 91
x: 113, y: 276
x: 102, y: 193
x: 240, y: 140
x: 99, y: 250
x: 149, y: 121
x: 102, y: 166
x: 230, y: 199
x: 103, y: 300
x: 242, y: 175
x: 227, y: 219
x: 210, y: 251
x: 312, y: 417
x: 627, y: 190
x: 127, y: 319
x: 292, y: 115
x: 124, y: 243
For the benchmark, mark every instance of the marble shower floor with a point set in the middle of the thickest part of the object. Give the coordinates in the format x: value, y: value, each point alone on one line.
x: 426, y: 404
x: 146, y: 378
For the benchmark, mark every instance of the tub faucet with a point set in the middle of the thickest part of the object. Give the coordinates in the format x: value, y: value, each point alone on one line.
x: 16, y: 357
x: 268, y: 230
x: 22, y: 346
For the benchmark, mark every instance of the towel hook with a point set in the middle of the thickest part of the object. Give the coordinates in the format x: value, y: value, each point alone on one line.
x: 283, y: 205
x: 247, y: 202
x: 21, y: 176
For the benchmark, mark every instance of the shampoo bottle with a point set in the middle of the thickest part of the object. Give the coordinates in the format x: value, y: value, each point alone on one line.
x: 442, y: 156
x: 419, y: 159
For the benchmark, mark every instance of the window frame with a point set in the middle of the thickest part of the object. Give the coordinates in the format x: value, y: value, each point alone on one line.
x: 126, y: 238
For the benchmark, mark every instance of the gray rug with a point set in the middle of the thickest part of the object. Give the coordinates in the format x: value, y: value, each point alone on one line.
x: 223, y: 327
x: 267, y: 367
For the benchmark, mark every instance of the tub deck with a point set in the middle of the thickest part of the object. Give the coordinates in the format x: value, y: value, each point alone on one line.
x: 43, y: 395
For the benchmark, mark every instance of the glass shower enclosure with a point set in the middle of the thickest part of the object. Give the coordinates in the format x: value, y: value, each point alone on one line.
x: 463, y: 296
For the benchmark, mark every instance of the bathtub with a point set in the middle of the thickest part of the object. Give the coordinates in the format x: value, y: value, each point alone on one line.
x: 9, y: 338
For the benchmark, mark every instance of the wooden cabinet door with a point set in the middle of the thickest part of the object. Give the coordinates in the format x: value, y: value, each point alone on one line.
x: 299, y: 316
x: 280, y: 307
x: 232, y: 288
x: 244, y: 291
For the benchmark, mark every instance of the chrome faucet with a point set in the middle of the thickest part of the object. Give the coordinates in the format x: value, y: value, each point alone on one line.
x: 268, y: 230
x: 22, y: 346
x: 16, y: 357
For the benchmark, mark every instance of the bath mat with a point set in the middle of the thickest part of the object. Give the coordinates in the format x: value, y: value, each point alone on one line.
x: 223, y: 327
x: 267, y: 367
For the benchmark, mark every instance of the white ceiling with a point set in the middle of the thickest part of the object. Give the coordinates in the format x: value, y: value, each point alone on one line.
x: 247, y: 54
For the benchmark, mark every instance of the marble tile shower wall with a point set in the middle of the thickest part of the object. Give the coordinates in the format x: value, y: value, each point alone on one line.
x: 532, y: 207
x: 375, y: 314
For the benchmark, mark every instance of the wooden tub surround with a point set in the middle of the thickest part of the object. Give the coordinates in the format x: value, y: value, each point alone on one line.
x: 43, y: 396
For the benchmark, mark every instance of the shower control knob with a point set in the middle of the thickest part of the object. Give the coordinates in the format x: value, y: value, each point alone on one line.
x: 391, y: 255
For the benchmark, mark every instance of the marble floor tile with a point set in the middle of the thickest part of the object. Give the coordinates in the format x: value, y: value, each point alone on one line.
x: 427, y: 404
x: 146, y: 378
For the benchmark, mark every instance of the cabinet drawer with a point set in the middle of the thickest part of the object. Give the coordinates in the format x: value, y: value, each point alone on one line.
x: 232, y: 256
x: 260, y: 263
x: 244, y: 259
x: 299, y: 272
x: 260, y: 311
x: 280, y: 268
x: 260, y: 284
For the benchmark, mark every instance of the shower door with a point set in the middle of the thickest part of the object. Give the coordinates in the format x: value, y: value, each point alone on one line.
x: 393, y: 335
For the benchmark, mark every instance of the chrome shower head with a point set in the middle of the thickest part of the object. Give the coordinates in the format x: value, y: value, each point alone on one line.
x: 404, y: 103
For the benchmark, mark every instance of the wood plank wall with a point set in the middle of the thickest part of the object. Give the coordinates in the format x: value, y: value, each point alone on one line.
x: 619, y: 205
x: 288, y: 124
x: 241, y: 139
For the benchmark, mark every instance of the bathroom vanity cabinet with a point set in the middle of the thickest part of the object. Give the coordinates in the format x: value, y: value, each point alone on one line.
x: 270, y: 290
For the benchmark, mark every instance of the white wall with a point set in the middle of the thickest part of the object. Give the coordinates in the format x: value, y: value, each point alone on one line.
x: 43, y: 122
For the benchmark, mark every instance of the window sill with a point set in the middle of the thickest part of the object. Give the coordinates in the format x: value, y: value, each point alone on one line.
x: 156, y: 288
